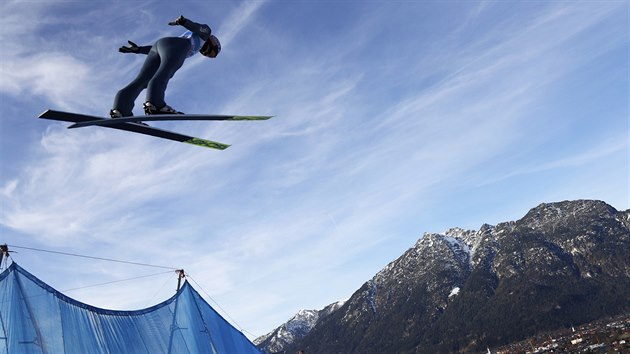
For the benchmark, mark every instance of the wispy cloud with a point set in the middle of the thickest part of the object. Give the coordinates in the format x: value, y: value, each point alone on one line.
x: 57, y: 77
x: 592, y: 154
x: 92, y: 184
x: 238, y: 19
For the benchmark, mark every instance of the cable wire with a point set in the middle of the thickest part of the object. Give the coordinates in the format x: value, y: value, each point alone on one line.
x: 92, y: 257
x: 162, y: 287
x: 116, y: 281
x: 221, y: 308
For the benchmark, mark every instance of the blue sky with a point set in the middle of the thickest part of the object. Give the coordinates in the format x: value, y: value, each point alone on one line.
x: 392, y: 118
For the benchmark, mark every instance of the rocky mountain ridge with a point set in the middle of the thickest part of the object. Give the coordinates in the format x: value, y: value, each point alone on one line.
x: 294, y: 329
x: 562, y: 263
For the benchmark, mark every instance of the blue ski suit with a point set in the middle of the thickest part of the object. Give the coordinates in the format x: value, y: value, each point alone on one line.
x: 164, y: 58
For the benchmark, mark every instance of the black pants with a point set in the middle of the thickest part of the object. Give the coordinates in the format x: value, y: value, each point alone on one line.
x: 165, y: 57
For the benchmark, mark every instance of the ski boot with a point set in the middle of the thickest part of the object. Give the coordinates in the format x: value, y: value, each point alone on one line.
x: 150, y: 109
x: 114, y: 113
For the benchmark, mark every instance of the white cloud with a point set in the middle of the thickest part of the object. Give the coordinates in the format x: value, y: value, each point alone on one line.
x: 58, y: 77
x: 576, y: 159
x: 238, y: 19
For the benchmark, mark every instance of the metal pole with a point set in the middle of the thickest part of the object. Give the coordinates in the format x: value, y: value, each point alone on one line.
x: 181, y: 275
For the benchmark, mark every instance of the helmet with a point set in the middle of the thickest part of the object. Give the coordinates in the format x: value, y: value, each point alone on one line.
x: 211, y: 48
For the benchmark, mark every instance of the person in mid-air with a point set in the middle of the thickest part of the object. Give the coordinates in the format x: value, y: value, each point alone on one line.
x: 164, y: 58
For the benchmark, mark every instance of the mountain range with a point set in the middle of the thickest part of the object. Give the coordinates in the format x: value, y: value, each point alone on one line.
x: 562, y: 264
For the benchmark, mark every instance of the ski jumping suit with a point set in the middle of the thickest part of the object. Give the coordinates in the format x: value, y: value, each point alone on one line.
x: 164, y: 58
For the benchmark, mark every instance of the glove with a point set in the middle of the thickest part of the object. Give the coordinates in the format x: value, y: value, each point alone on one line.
x: 179, y: 21
x: 133, y: 48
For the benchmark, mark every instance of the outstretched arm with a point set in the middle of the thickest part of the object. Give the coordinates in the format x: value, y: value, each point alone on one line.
x: 202, y: 30
x: 134, y: 48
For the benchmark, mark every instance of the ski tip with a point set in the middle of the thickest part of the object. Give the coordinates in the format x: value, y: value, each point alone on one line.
x: 44, y: 113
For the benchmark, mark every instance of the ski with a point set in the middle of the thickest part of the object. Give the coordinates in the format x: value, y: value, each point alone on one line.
x: 165, y: 117
x: 133, y: 127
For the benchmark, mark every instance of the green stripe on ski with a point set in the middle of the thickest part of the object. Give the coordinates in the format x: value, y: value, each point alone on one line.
x: 207, y: 143
x: 250, y: 117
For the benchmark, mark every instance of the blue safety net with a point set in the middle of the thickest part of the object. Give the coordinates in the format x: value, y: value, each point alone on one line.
x: 36, y: 318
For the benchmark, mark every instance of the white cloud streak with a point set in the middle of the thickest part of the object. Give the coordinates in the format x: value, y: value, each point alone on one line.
x: 239, y: 19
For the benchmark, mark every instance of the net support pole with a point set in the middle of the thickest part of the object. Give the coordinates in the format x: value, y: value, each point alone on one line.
x: 180, y: 275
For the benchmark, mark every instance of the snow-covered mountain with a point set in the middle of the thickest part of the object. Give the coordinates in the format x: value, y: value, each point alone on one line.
x: 561, y: 264
x: 294, y: 329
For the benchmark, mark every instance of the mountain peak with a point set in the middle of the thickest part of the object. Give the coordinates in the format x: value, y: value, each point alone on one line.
x: 294, y: 329
x: 562, y: 263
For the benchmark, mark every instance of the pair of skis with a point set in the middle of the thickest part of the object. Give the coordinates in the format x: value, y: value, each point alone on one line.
x: 131, y: 124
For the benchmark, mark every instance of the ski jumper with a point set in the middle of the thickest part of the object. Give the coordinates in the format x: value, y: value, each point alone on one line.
x: 164, y: 58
